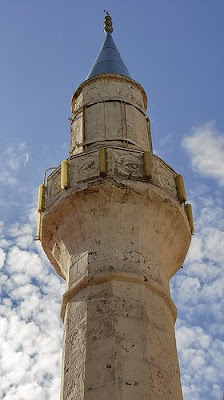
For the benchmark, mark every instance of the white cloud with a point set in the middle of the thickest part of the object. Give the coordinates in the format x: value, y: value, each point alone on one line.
x: 198, y: 292
x: 198, y: 289
x: 30, y: 328
x: 2, y: 258
x: 201, y: 359
x: 205, y: 146
x: 16, y: 156
x: 12, y: 159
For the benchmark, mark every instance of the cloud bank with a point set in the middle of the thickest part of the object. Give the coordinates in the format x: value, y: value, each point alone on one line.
x: 30, y: 328
x: 205, y: 147
x: 198, y: 289
x: 12, y: 159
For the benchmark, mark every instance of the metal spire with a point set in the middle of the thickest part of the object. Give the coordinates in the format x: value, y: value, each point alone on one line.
x: 109, y: 60
x: 108, y: 28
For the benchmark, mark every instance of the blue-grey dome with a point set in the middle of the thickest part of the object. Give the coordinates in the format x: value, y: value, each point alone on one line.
x: 109, y: 60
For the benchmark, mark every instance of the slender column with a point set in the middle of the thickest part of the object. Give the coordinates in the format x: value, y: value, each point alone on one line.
x: 117, y: 248
x: 116, y: 232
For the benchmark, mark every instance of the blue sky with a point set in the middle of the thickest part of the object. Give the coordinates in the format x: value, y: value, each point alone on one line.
x: 175, y: 50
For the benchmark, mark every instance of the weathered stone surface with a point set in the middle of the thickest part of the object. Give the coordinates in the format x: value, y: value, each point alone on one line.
x: 120, y: 342
x: 116, y: 238
x: 120, y: 164
x: 119, y: 321
x: 108, y: 109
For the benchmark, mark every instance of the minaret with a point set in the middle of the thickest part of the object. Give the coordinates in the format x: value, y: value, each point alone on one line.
x: 114, y: 223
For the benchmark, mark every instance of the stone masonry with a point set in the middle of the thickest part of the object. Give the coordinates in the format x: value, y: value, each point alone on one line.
x: 116, y: 234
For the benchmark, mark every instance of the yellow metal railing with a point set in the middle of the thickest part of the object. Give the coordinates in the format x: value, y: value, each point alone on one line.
x: 102, y: 161
x: 189, y: 213
x: 64, y: 174
x: 40, y: 208
x: 147, y: 165
x: 181, y: 193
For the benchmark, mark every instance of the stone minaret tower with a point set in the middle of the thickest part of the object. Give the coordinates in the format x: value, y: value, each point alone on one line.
x: 114, y: 224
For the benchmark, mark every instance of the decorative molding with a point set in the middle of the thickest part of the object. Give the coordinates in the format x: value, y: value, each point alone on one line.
x: 119, y: 277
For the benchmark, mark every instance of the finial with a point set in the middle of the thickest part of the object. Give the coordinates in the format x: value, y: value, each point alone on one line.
x: 108, y: 28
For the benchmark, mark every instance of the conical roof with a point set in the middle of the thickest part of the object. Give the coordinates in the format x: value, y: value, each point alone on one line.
x: 109, y: 60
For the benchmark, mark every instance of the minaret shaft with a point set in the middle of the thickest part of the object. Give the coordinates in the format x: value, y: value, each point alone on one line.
x: 116, y: 230
x: 119, y: 247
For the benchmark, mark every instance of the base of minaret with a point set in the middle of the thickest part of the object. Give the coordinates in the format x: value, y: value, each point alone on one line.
x: 119, y: 344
